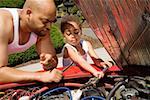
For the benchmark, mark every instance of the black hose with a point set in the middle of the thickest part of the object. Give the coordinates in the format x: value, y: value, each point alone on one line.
x: 114, y: 89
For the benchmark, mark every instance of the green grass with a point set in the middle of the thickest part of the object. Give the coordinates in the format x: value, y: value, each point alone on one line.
x: 31, y: 53
x: 12, y: 3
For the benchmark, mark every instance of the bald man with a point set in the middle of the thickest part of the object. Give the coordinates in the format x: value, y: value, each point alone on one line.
x: 19, y: 30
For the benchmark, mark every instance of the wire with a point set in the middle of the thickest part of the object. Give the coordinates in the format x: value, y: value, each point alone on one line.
x: 115, y: 88
x: 59, y: 88
x: 93, y: 98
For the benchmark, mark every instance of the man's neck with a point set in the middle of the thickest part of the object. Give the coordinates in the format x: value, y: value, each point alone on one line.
x: 24, y: 28
x: 22, y: 24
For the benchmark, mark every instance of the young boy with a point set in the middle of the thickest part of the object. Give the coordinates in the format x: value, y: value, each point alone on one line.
x: 75, y: 50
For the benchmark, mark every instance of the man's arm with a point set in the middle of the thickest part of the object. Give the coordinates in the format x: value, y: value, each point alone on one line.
x: 47, y: 52
x: 8, y: 74
x: 13, y: 75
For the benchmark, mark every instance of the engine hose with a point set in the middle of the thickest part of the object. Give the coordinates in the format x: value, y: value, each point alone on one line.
x: 146, y: 91
x: 38, y: 92
x: 138, y: 77
x: 45, y: 88
x: 59, y: 88
x: 114, y: 89
x: 73, y: 84
x: 93, y: 98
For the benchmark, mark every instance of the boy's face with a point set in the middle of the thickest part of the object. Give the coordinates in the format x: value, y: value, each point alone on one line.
x: 73, y: 34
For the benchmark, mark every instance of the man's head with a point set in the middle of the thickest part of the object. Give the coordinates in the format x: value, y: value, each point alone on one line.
x: 38, y: 15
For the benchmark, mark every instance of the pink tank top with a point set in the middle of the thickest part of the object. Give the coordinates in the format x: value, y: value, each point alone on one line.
x: 14, y: 47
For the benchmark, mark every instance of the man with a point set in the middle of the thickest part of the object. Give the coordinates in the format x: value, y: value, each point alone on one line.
x: 19, y: 30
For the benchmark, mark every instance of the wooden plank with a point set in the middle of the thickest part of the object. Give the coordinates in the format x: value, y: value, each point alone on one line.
x: 119, y: 26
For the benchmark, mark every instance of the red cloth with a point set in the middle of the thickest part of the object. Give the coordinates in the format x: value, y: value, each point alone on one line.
x: 78, y: 72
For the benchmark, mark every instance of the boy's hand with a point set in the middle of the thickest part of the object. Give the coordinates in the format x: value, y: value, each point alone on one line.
x: 98, y: 74
x: 99, y: 62
x: 105, y: 64
x: 108, y: 63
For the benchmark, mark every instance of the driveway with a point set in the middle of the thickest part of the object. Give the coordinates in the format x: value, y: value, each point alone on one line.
x: 102, y: 53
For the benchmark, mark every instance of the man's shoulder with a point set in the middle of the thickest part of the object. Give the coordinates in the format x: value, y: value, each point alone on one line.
x: 4, y: 14
x: 6, y: 22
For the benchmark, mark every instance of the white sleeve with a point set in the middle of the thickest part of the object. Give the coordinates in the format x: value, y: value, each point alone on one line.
x: 85, y: 46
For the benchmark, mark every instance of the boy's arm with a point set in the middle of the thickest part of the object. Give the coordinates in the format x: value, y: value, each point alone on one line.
x: 91, y: 50
x: 80, y: 61
x: 93, y: 55
x: 98, y: 61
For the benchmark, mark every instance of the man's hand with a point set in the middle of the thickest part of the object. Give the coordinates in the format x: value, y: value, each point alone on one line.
x: 53, y: 76
x: 48, y: 61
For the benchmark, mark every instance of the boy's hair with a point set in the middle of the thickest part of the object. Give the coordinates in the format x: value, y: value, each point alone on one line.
x: 66, y: 19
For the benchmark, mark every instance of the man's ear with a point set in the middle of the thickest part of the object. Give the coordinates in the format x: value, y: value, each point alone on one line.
x: 28, y: 11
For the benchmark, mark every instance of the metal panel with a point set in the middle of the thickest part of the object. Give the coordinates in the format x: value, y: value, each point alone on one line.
x: 120, y: 27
